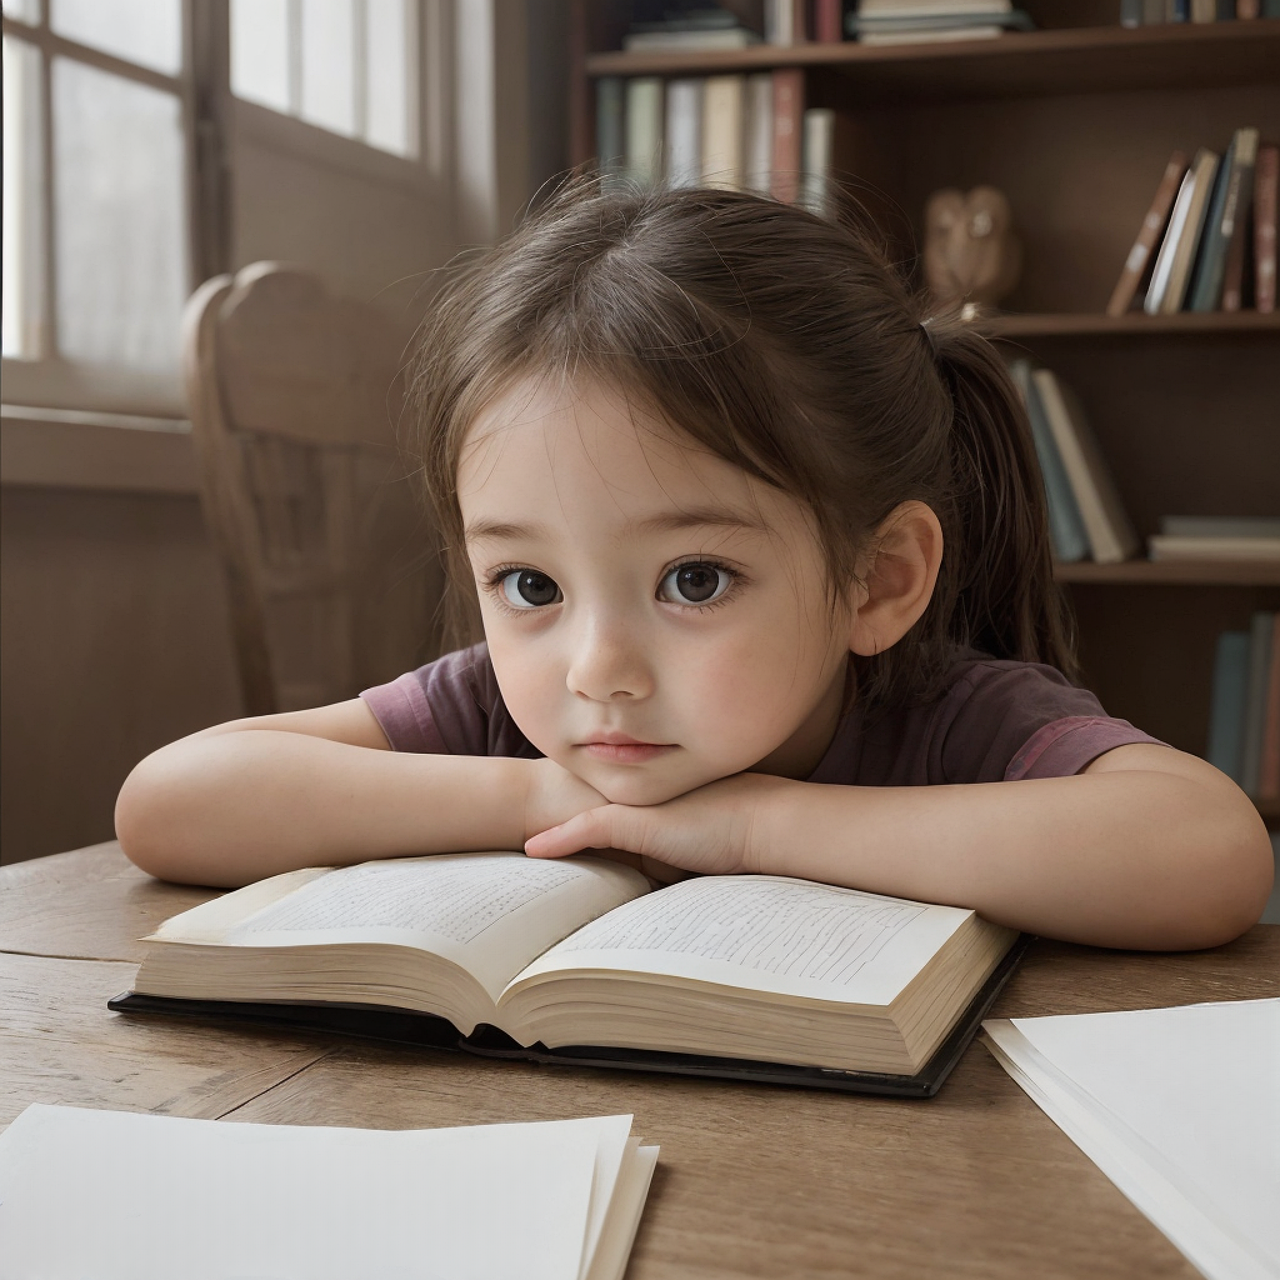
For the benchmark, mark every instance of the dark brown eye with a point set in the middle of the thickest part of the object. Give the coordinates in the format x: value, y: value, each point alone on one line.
x: 528, y: 589
x: 695, y: 584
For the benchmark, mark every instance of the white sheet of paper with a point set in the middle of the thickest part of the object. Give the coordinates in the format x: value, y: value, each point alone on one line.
x: 134, y: 1196
x: 1179, y: 1107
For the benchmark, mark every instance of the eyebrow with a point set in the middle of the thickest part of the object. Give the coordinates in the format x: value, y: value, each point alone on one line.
x: 666, y: 522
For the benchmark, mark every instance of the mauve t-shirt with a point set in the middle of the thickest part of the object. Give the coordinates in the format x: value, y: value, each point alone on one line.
x: 993, y: 721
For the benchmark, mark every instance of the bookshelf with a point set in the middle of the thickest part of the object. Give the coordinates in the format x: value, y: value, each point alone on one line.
x: 1075, y: 123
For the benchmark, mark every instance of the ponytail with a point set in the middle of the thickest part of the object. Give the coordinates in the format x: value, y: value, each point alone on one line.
x: 1003, y: 597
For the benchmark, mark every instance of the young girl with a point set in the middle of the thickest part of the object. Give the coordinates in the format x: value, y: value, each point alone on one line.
x: 762, y: 565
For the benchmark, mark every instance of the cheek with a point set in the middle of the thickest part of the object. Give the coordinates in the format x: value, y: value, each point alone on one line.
x: 531, y: 687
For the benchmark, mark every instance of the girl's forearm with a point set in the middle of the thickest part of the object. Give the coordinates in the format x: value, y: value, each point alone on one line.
x: 1131, y: 858
x: 230, y: 808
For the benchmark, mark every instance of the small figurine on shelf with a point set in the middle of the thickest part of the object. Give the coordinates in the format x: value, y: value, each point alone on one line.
x: 971, y: 255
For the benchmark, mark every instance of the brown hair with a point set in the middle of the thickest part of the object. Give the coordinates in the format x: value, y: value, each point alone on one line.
x: 788, y: 345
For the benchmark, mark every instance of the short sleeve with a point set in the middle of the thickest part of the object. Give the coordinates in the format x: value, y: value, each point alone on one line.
x: 452, y: 706
x: 1012, y: 720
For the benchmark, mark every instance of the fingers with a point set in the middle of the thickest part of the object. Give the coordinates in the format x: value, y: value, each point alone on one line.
x: 586, y: 831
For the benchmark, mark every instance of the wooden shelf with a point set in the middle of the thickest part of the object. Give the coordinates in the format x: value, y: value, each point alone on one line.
x: 1192, y: 573
x: 1018, y: 64
x: 1134, y: 325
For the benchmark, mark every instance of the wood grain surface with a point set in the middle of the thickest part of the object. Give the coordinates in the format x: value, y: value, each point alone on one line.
x: 753, y: 1180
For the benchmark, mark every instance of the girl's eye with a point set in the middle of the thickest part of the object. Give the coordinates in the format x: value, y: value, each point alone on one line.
x: 695, y: 584
x: 529, y: 589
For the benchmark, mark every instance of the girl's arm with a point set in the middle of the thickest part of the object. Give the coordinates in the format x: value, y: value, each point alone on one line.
x: 1146, y: 848
x: 321, y: 787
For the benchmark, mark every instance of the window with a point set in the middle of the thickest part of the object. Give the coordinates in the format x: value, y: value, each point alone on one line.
x: 313, y: 61
x: 97, y: 256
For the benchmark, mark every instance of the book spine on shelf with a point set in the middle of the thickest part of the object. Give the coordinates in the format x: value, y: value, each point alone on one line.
x: 757, y: 158
x: 1269, y: 762
x: 684, y: 132
x: 819, y: 136
x: 784, y: 21
x: 1226, y: 10
x: 1152, y: 12
x: 1261, y: 639
x: 788, y: 124
x: 1266, y: 195
x: 1148, y: 236
x: 1206, y: 165
x: 1204, y: 10
x: 828, y: 21
x: 1226, y: 710
x: 1131, y: 13
x: 1248, y: 9
x: 1066, y: 529
x: 1153, y: 303
x: 611, y: 143
x: 1232, y: 194
x: 722, y: 119
x: 644, y: 128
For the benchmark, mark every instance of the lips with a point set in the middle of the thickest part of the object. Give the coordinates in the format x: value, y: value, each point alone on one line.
x: 621, y: 748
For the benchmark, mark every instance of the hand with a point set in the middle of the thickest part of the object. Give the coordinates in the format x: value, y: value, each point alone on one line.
x: 554, y: 796
x: 714, y: 830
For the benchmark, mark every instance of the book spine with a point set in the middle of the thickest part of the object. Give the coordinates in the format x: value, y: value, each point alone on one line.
x: 1226, y: 711
x: 644, y: 129
x: 684, y: 132
x: 828, y: 21
x: 1261, y: 639
x: 1235, y: 228
x: 1066, y: 529
x: 1205, y: 293
x: 758, y: 142
x: 1203, y: 10
x: 1148, y: 236
x: 1269, y: 764
x: 1131, y: 13
x: 788, y: 123
x: 1247, y: 8
x: 1266, y: 195
x: 1207, y: 165
x: 611, y: 143
x: 1152, y: 12
x: 819, y: 133
x: 722, y: 113
x: 1225, y: 11
x: 1154, y: 301
x: 780, y: 22
x: 1178, y: 11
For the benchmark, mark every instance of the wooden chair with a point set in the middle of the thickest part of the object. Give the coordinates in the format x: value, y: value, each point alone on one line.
x: 331, y: 567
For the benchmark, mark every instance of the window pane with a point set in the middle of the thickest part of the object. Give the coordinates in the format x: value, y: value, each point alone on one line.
x: 260, y: 52
x: 148, y: 32
x: 119, y: 219
x: 23, y: 226
x: 387, y: 77
x: 328, y: 64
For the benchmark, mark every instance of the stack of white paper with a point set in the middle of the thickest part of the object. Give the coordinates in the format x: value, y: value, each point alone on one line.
x: 117, y: 1194
x: 1180, y: 1108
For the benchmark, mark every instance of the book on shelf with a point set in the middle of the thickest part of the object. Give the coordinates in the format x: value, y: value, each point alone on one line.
x: 828, y: 21
x: 1227, y: 701
x: 1221, y: 526
x: 788, y: 133
x: 1216, y: 538
x: 884, y: 22
x: 1153, y: 224
x: 1262, y: 634
x: 582, y: 962
x: 1244, y: 714
x: 1112, y: 537
x: 723, y: 117
x: 644, y: 117
x: 785, y: 21
x: 684, y: 132
x: 1225, y: 222
x: 757, y: 142
x: 611, y: 139
x: 1172, y: 270
x: 1266, y: 197
x: 1066, y: 529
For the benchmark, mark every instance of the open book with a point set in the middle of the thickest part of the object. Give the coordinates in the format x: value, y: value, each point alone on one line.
x: 580, y: 960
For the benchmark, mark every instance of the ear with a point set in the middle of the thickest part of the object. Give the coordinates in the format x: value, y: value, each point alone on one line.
x: 898, y: 578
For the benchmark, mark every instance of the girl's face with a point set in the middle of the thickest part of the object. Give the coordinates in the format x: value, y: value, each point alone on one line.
x: 657, y: 618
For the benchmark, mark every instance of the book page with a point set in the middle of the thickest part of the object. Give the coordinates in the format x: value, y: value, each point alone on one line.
x: 765, y: 933
x: 489, y: 913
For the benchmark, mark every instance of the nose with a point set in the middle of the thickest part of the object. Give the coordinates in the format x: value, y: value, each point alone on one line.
x: 609, y: 660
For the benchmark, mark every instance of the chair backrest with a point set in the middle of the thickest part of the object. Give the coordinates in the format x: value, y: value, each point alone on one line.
x: 330, y: 563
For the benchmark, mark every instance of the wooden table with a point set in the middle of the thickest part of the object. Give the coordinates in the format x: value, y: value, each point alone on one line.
x: 752, y: 1181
